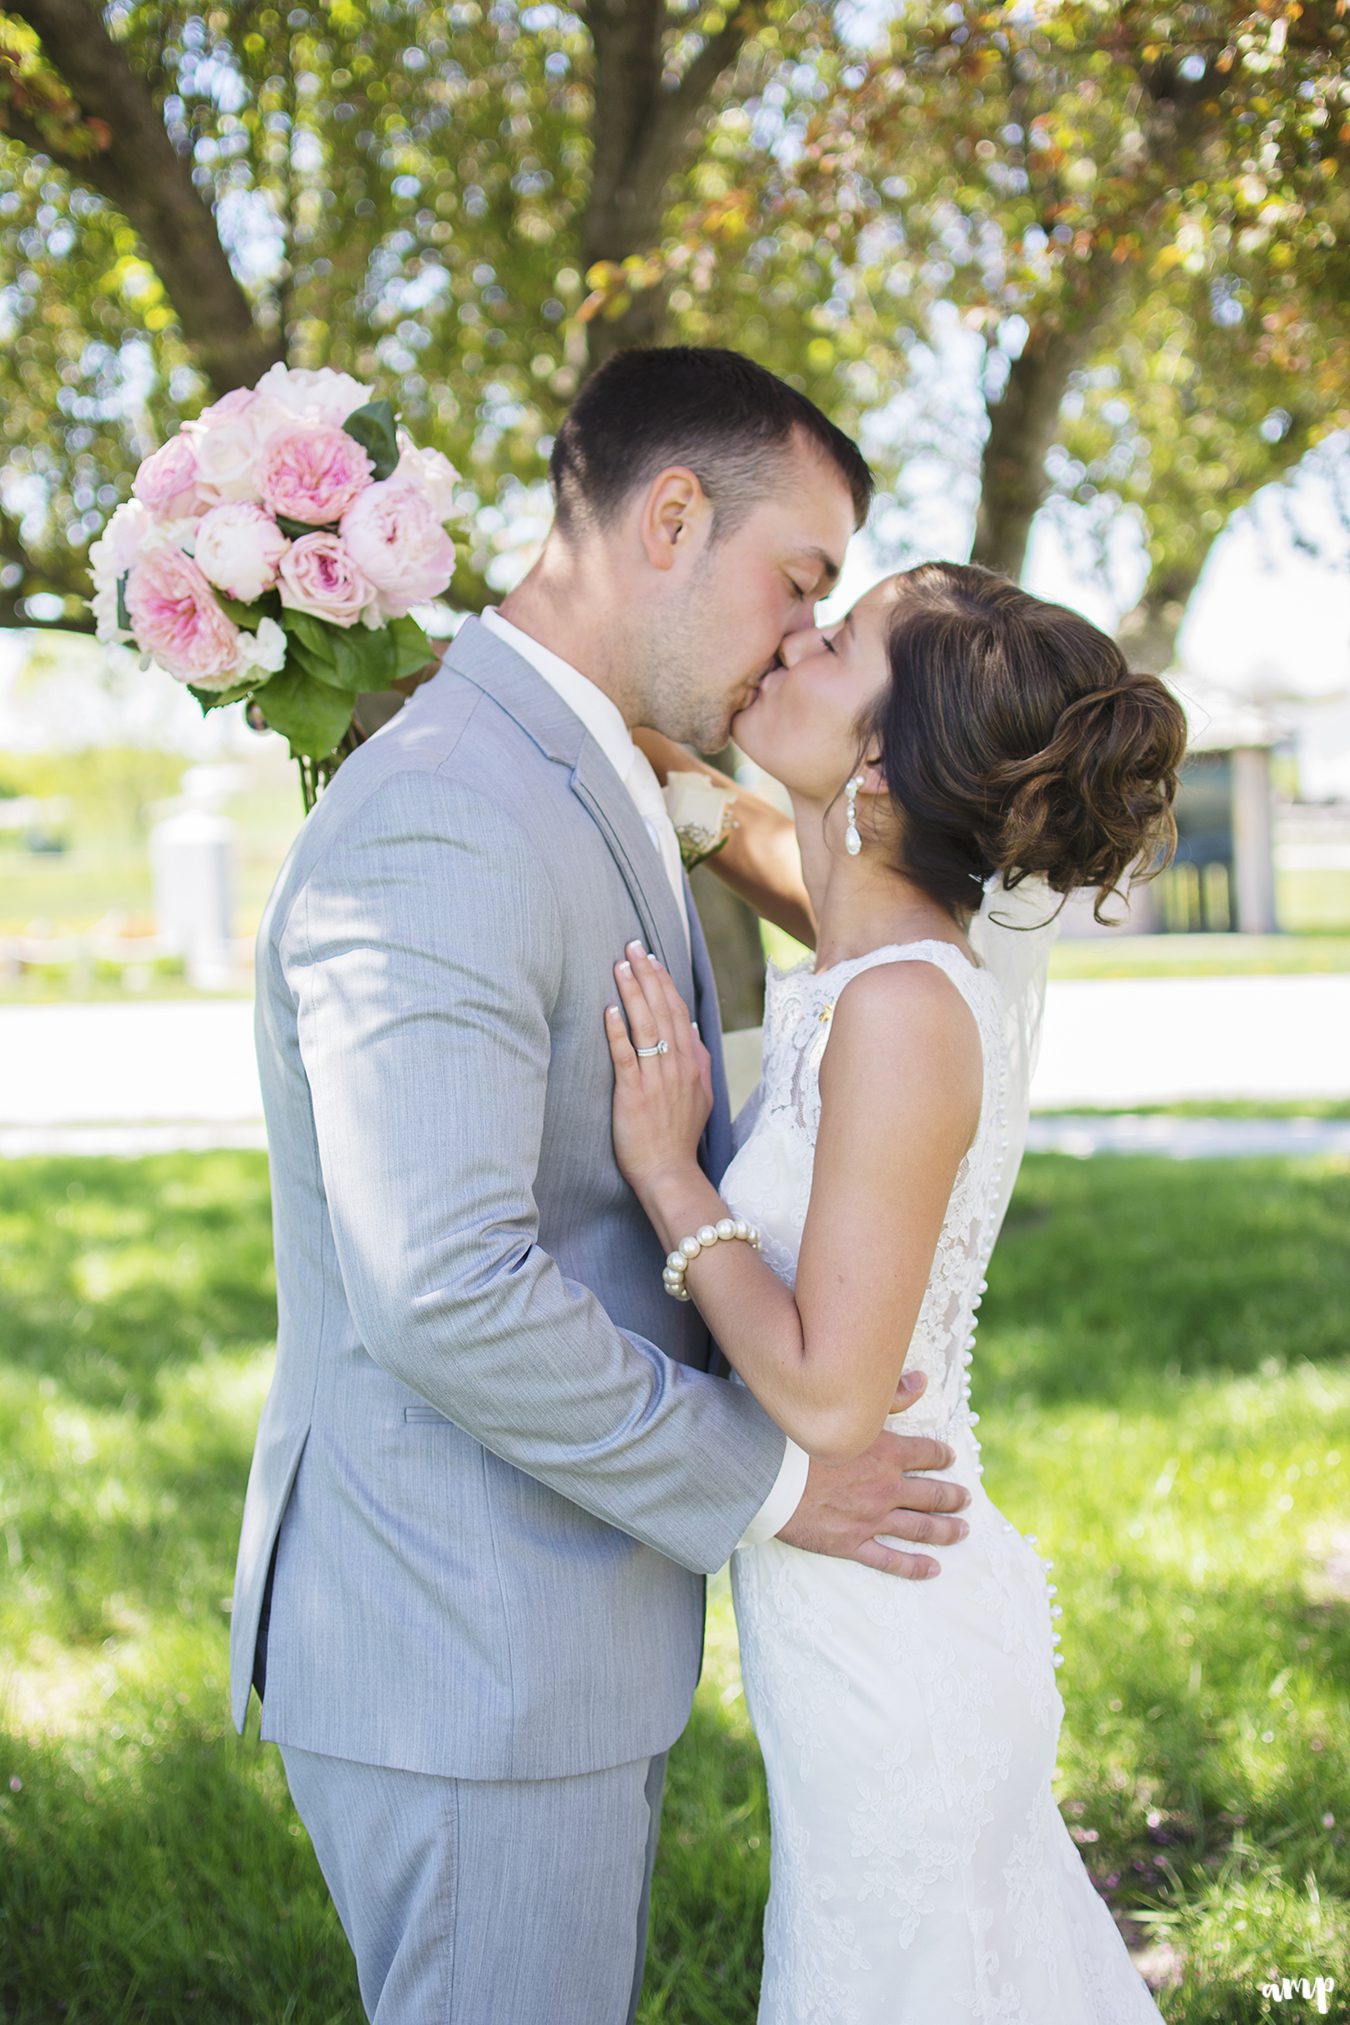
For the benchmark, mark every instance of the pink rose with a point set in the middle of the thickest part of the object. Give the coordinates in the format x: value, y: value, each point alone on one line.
x: 238, y: 549
x: 312, y: 473
x: 395, y: 538
x: 318, y: 575
x: 175, y: 618
x: 167, y: 481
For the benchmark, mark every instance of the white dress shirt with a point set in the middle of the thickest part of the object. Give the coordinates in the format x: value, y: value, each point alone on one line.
x: 604, y: 720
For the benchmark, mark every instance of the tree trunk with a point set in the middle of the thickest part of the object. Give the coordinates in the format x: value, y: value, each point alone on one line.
x: 642, y: 125
x: 1147, y: 635
x: 1022, y: 424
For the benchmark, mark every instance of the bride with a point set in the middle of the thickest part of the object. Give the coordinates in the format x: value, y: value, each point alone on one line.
x: 950, y: 730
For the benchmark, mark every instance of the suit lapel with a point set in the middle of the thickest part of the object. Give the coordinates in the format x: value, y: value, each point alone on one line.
x: 615, y: 813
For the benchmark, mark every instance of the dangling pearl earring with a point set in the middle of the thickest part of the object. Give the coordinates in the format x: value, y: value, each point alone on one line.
x: 852, y: 841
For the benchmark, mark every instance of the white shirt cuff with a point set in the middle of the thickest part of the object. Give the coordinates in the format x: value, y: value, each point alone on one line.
x: 782, y: 1500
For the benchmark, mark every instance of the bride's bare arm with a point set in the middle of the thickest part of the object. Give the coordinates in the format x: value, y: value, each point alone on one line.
x: 760, y: 859
x: 900, y: 1095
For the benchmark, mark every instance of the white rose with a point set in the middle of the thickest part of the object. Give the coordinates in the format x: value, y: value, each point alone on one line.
x: 430, y: 470
x: 228, y: 437
x: 325, y: 395
x: 239, y: 549
x: 131, y: 530
x: 261, y: 654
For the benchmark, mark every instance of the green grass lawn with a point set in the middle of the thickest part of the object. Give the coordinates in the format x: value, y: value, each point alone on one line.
x: 1165, y: 1399
x: 1288, y: 955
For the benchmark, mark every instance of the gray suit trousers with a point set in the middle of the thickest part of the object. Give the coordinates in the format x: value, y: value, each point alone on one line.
x: 487, y: 1901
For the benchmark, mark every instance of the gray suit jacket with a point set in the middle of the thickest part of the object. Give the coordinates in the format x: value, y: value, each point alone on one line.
x: 494, y: 1465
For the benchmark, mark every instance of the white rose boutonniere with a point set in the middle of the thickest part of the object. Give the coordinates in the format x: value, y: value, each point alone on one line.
x: 700, y: 809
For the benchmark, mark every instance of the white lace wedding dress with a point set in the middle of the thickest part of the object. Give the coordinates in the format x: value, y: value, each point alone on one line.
x: 921, y: 1873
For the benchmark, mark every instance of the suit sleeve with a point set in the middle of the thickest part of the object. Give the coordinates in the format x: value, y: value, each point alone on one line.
x: 424, y: 953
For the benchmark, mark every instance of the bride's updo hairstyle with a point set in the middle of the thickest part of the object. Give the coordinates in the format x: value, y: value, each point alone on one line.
x: 1015, y: 739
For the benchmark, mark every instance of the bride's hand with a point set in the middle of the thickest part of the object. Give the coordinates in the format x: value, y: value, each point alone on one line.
x: 661, y: 1101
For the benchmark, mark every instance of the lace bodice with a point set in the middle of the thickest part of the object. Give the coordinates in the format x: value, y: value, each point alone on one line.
x: 769, y: 1178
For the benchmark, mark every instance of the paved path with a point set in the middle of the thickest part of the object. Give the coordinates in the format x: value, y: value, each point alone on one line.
x: 185, y: 1070
x: 1164, y: 1040
x: 1188, y: 1138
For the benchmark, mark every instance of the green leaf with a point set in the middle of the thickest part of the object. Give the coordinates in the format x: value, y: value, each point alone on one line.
x: 216, y: 699
x: 411, y: 648
x: 356, y: 663
x: 242, y: 615
x: 123, y: 616
x: 310, y: 716
x: 313, y: 633
x: 296, y: 528
x: 301, y: 661
x: 374, y: 428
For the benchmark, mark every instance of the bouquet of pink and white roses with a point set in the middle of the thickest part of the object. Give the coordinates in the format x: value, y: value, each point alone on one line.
x: 273, y: 550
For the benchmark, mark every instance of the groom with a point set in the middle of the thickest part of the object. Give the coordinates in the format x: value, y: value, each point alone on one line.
x: 496, y: 1463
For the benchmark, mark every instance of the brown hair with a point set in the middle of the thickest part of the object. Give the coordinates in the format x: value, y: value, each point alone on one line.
x: 726, y: 417
x: 1015, y: 739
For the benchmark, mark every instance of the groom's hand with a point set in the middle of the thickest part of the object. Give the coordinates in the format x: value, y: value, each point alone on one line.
x: 845, y: 1505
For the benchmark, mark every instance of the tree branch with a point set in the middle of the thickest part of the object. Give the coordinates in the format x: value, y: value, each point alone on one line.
x: 141, y: 174
x: 641, y: 126
x: 678, y: 110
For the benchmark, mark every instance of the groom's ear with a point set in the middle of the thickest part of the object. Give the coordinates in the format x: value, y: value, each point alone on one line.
x: 675, y: 518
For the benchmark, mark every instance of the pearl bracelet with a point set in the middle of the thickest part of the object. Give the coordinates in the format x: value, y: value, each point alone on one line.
x: 688, y: 1249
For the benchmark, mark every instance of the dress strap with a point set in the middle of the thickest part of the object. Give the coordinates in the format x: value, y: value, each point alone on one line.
x: 970, y: 980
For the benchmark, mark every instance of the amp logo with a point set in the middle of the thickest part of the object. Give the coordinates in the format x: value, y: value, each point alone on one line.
x: 1318, y: 1991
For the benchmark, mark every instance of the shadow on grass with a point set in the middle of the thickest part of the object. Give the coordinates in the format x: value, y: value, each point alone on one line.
x: 168, y: 1884
x: 114, y: 1273
x: 136, y: 1312
x: 1231, y: 1723
x: 1111, y: 1278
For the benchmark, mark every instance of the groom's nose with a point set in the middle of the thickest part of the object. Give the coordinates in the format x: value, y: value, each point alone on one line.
x: 798, y: 640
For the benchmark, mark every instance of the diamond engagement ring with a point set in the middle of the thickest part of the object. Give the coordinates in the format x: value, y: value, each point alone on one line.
x: 661, y: 1048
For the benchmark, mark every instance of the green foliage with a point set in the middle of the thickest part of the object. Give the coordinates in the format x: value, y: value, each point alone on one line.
x: 311, y: 715
x: 310, y: 700
x: 1165, y: 1402
x: 374, y: 428
x: 1160, y: 183
x: 404, y: 191
x: 111, y: 789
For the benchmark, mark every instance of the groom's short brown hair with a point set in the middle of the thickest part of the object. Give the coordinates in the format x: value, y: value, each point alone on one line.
x: 727, y: 418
